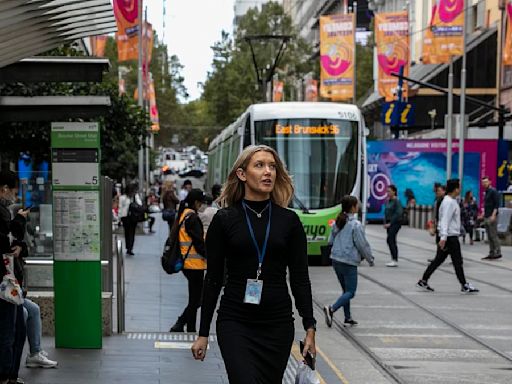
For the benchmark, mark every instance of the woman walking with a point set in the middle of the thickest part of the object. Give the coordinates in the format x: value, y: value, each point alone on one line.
x: 259, y: 238
x: 349, y: 247
x: 393, y: 222
x: 469, y: 214
x: 129, y: 225
x: 170, y: 202
x: 189, y: 229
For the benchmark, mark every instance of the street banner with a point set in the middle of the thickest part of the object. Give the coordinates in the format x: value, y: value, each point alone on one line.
x: 153, y: 109
x: 337, y: 51
x: 507, y: 50
x: 311, y: 90
x: 444, y: 37
x: 392, y: 40
x: 278, y: 89
x: 98, y: 44
x: 126, y: 13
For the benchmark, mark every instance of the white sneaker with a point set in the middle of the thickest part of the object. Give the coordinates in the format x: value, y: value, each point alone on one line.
x: 39, y: 361
x: 392, y: 264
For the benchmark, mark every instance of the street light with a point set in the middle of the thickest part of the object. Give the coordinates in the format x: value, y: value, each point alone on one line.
x: 270, y: 70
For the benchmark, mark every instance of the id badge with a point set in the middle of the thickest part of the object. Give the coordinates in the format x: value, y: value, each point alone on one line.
x: 253, y: 291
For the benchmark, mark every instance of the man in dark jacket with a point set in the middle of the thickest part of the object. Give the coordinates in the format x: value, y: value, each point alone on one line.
x: 12, y: 324
x: 491, y: 205
x: 393, y: 222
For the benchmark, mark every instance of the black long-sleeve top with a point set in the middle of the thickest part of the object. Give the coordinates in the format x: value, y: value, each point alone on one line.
x: 194, y: 228
x: 228, y: 240
x: 15, y: 227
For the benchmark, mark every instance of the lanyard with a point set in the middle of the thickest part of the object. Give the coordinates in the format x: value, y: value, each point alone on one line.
x: 261, y: 252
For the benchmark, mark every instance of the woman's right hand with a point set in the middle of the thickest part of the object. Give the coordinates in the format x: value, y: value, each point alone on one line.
x: 199, y: 348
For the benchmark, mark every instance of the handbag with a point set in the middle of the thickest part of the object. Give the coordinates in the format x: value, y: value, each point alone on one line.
x: 172, y: 259
x: 136, y: 212
x: 10, y: 289
x: 168, y: 215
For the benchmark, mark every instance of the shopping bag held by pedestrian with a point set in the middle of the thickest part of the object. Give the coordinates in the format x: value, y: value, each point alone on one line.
x: 172, y: 258
x: 10, y: 289
x: 305, y: 375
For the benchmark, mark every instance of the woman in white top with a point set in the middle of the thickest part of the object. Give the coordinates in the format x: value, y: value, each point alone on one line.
x: 129, y: 225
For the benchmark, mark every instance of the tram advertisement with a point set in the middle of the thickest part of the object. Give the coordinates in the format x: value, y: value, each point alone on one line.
x: 416, y: 165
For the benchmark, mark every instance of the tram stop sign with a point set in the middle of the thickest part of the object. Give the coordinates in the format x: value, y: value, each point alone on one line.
x: 398, y: 114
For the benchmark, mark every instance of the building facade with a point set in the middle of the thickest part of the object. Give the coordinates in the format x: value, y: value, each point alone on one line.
x: 242, y: 6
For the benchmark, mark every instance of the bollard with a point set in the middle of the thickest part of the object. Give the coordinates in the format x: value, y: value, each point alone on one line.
x: 422, y: 217
x: 411, y: 216
x: 417, y: 217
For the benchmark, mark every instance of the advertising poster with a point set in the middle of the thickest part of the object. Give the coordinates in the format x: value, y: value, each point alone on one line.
x: 444, y: 38
x: 153, y: 108
x: 126, y: 13
x: 507, y: 49
x: 392, y: 39
x: 337, y: 43
x: 418, y: 164
x: 278, y: 89
x: 98, y: 45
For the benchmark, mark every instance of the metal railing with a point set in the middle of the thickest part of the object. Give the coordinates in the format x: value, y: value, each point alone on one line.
x: 120, y: 286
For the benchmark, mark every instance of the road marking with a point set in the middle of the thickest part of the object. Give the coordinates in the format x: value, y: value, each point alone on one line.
x: 332, y: 366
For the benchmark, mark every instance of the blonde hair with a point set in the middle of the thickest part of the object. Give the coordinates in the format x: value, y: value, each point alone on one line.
x: 234, y: 189
x: 168, y: 185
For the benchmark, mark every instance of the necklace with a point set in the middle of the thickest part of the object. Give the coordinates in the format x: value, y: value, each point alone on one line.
x: 258, y: 214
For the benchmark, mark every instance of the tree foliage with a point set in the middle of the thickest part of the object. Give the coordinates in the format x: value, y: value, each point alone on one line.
x: 231, y: 85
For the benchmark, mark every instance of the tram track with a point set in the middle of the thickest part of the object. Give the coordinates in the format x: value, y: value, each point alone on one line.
x: 388, y: 370
x: 424, y: 248
x: 440, y: 317
x: 445, y: 270
x: 383, y: 367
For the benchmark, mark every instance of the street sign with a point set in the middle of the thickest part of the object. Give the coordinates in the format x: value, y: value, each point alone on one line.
x: 398, y: 114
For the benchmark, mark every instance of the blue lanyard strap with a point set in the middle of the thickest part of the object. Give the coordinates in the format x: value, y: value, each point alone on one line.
x: 261, y: 252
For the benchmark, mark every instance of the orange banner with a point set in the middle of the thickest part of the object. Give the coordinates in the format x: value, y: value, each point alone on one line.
x: 392, y: 40
x: 153, y: 109
x: 98, y: 45
x: 444, y: 38
x: 278, y: 89
x: 311, y: 90
x: 337, y: 51
x: 507, y: 50
x: 127, y: 12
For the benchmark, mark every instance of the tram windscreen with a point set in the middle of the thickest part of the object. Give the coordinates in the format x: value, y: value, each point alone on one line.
x: 320, y: 154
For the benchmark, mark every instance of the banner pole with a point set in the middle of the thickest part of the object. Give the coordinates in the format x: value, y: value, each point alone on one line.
x: 354, y: 18
x: 449, y: 123
x: 462, y: 123
x: 141, y: 95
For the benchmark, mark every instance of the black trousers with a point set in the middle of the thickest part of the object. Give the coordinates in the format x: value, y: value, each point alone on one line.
x: 452, y: 248
x: 255, y: 353
x: 129, y: 233
x: 391, y: 240
x: 195, y: 279
x: 12, y: 339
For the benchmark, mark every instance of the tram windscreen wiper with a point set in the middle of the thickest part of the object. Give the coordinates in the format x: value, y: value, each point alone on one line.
x: 301, y: 205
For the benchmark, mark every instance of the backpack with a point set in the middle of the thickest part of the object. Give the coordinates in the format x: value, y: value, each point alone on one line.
x: 136, y: 212
x: 172, y: 260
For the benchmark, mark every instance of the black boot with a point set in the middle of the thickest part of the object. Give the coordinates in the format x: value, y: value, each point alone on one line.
x: 179, y: 325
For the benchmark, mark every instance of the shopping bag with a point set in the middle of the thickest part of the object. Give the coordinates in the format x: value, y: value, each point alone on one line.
x: 306, y: 375
x: 10, y: 289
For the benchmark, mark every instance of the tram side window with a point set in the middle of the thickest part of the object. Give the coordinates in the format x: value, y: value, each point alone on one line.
x: 247, y: 131
x: 225, y: 159
x: 235, y: 149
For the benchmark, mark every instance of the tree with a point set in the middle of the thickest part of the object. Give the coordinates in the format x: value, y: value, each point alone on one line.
x: 121, y: 128
x: 364, y: 70
x: 231, y: 85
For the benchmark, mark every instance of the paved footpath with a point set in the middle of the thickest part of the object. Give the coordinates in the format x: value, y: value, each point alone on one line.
x: 395, y: 340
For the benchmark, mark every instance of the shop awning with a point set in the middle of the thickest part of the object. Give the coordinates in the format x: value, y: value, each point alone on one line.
x: 30, y: 27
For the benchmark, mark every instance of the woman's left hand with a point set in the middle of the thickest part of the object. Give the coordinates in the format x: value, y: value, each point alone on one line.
x: 309, y: 343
